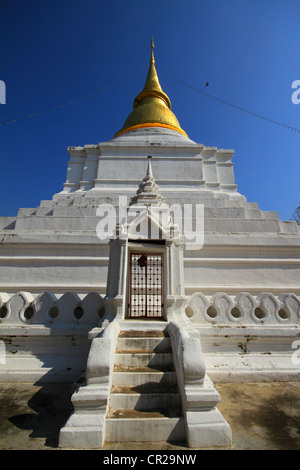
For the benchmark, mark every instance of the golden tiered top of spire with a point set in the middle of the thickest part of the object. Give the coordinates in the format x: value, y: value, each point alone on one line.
x: 151, y: 107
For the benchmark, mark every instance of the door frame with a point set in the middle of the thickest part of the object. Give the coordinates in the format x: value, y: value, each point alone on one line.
x: 148, y: 248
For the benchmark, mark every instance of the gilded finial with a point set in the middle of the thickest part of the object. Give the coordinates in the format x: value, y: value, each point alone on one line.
x: 152, y: 51
x: 149, y: 168
x: 152, y: 60
x: 151, y: 107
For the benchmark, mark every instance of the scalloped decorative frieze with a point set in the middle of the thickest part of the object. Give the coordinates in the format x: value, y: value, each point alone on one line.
x: 244, y: 308
x: 48, y: 310
x: 70, y: 309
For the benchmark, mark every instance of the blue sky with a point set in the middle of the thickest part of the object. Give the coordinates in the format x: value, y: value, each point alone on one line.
x: 56, y: 51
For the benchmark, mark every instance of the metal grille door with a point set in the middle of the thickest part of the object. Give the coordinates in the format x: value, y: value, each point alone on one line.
x: 146, y: 285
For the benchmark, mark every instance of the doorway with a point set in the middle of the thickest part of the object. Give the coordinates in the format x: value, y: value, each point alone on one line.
x: 145, y: 286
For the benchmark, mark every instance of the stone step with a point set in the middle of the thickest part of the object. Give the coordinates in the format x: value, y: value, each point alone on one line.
x: 159, y: 361
x: 131, y: 425
x: 149, y: 333
x: 145, y: 388
x: 153, y: 344
x: 144, y: 402
x: 146, y: 397
x: 139, y: 369
x: 129, y: 378
x: 241, y: 225
x: 211, y: 212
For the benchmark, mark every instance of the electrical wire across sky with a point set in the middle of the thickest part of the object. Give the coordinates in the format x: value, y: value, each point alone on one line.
x: 239, y: 108
x: 102, y: 90
x: 75, y: 100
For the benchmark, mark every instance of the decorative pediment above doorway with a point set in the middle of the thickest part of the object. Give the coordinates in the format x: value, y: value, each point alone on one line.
x: 148, y: 216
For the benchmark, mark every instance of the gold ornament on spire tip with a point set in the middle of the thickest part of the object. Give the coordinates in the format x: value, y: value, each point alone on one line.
x: 151, y: 107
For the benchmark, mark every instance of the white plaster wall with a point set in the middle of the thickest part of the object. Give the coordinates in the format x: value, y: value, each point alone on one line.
x: 225, y: 173
x: 185, y: 171
x: 45, y: 338
x: 75, y: 169
x: 244, y: 346
x: 210, y: 171
x: 89, y: 171
x: 240, y: 275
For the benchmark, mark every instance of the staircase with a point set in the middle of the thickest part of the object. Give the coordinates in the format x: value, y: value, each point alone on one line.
x: 145, y: 403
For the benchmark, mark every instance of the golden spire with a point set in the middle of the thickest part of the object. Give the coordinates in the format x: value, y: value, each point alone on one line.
x: 151, y: 107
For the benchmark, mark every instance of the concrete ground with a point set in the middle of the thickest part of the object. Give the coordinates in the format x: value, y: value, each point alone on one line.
x: 263, y: 416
